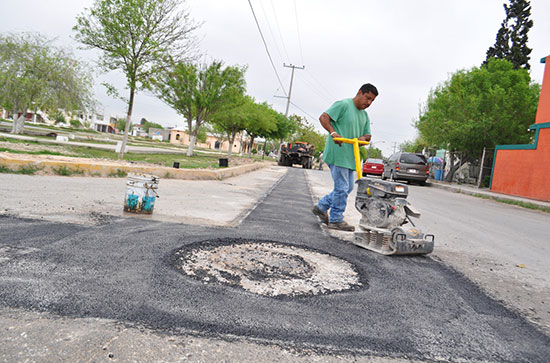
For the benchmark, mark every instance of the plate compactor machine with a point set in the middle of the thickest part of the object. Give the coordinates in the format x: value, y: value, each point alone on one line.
x: 385, y: 212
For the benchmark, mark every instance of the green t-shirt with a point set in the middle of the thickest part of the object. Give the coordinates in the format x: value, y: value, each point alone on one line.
x: 350, y: 122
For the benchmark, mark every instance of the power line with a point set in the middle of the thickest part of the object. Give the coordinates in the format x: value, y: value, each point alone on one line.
x: 271, y: 31
x: 309, y: 73
x: 316, y: 89
x: 266, y: 48
x: 279, y: 29
x: 298, y: 30
x: 299, y: 108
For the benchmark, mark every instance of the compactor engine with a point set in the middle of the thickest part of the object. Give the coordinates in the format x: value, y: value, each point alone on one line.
x: 385, y: 211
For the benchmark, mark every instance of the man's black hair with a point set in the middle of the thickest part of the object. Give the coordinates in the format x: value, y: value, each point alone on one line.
x: 367, y: 87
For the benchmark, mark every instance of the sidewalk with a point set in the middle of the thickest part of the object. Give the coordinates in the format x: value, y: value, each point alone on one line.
x: 484, y: 192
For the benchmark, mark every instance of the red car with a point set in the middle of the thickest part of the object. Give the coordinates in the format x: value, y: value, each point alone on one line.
x: 373, y: 166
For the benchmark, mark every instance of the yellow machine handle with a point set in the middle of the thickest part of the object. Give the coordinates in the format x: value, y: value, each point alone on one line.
x: 355, y: 142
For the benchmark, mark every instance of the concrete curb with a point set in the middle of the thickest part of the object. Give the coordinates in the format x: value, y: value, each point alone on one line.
x: 81, y: 167
x: 473, y: 191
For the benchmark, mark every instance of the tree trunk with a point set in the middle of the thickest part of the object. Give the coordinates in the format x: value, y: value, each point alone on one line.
x: 250, y: 146
x: 18, y: 124
x: 454, y: 167
x: 193, y: 134
x: 241, y: 147
x: 231, y: 139
x: 191, y: 146
x: 127, y: 126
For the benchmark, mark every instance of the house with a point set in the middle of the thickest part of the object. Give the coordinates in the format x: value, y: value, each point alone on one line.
x: 159, y: 134
x: 179, y: 136
x: 524, y: 170
x: 138, y: 130
x: 103, y: 123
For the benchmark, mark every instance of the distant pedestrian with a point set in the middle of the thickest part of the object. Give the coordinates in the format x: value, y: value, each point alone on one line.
x: 346, y: 118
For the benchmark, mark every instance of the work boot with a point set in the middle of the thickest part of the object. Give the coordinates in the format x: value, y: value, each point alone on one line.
x: 341, y: 226
x: 319, y: 213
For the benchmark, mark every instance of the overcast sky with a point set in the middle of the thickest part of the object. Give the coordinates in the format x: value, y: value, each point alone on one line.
x: 403, y: 47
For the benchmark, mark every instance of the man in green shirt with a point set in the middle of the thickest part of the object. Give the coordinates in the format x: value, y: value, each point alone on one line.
x: 348, y: 119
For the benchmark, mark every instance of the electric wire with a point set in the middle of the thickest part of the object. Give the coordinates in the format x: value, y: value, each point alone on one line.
x: 266, y: 48
x: 299, y: 108
x: 279, y: 29
x: 298, y: 31
x: 308, y: 84
x: 271, y: 31
x: 314, y: 89
x: 309, y: 73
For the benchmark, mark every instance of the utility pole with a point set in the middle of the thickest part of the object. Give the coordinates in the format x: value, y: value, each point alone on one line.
x: 290, y: 89
x: 481, y: 169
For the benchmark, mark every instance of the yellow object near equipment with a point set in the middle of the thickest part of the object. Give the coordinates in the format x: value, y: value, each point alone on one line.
x: 355, y: 142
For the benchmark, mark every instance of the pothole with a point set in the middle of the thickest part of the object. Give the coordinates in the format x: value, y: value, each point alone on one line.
x: 267, y: 268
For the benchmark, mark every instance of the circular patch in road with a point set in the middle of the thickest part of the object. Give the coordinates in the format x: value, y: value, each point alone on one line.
x: 267, y: 268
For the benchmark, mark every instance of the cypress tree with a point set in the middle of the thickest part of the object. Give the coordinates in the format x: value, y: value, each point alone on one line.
x: 511, y: 40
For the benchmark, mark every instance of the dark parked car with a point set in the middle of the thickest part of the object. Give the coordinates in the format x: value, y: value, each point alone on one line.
x: 412, y: 167
x: 373, y: 166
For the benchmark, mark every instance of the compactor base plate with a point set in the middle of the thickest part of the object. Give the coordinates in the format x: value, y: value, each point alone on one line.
x: 385, y: 242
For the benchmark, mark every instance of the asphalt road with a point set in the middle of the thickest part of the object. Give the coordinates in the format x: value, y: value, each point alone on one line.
x: 127, y: 270
x: 503, y: 248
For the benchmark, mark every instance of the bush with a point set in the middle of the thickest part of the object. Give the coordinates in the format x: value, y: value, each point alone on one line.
x: 59, y: 118
x: 75, y: 123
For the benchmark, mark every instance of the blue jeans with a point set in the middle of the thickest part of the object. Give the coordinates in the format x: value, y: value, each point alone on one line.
x: 337, y: 200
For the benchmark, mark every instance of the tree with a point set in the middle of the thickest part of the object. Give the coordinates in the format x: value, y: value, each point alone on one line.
x: 138, y: 37
x: 36, y: 75
x: 202, y: 135
x: 198, y: 92
x: 120, y: 124
x: 482, y: 107
x: 147, y: 125
x: 306, y: 132
x: 285, y: 127
x: 511, y: 40
x: 415, y: 146
x: 232, y: 119
x: 372, y: 152
x: 261, y: 122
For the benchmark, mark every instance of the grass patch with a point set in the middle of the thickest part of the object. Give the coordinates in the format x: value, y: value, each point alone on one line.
x: 18, y: 141
x: 65, y: 171
x: 5, y: 170
x: 118, y: 173
x: 194, y: 162
x: 25, y: 170
x: 518, y: 203
x: 28, y: 169
x: 40, y: 152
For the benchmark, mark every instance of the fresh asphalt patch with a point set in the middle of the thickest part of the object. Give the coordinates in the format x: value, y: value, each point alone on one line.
x: 277, y: 278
